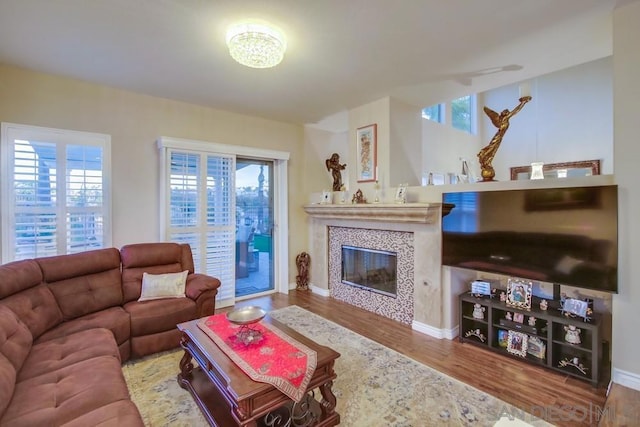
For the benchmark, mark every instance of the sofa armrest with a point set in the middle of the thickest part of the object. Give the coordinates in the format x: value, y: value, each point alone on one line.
x: 197, y: 284
x: 203, y: 290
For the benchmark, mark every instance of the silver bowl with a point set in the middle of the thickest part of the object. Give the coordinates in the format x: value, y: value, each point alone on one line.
x: 246, y: 315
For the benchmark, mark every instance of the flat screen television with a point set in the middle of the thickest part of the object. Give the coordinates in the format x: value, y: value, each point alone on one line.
x: 564, y: 236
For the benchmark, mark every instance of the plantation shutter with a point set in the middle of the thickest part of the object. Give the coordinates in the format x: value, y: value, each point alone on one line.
x: 201, y: 206
x: 54, y: 192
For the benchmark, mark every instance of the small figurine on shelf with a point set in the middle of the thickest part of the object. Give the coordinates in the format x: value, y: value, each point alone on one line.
x: 532, y: 321
x: 503, y: 297
x: 544, y: 304
x: 575, y: 362
x: 573, y: 334
x: 358, y: 197
x: 476, y: 333
x: 478, y: 311
x: 508, y: 316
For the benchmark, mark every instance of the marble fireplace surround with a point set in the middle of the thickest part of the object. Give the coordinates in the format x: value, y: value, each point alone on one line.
x: 398, y: 308
x: 417, y: 224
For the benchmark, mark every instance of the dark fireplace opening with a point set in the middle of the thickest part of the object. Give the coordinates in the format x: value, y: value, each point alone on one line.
x: 370, y: 269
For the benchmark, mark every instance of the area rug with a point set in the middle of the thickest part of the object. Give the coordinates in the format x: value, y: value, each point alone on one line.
x: 376, y: 386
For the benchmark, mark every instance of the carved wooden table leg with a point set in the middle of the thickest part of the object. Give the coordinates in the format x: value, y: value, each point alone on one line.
x: 328, y: 402
x: 186, y: 366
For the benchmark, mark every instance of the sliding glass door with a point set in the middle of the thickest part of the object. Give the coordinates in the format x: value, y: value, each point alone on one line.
x: 254, y: 227
x: 229, y: 203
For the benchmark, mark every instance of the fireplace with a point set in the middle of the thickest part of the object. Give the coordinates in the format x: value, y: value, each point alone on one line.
x: 382, y: 249
x: 412, y: 232
x: 370, y: 269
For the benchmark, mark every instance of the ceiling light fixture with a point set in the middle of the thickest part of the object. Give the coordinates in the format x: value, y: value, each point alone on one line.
x: 256, y: 45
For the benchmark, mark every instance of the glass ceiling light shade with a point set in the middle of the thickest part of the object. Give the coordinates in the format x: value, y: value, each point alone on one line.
x: 256, y: 45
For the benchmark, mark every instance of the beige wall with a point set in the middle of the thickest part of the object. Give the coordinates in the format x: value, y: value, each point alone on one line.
x: 375, y: 112
x: 135, y: 122
x: 626, y: 104
x: 405, y: 154
x: 570, y: 118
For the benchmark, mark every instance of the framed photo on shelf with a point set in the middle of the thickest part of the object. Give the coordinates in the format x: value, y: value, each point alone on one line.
x: 481, y: 288
x: 575, y: 307
x: 401, y: 194
x: 367, y: 141
x: 503, y: 338
x: 437, y: 178
x: 518, y: 317
x: 326, y: 197
x: 519, y: 293
x: 536, y: 347
x: 517, y: 343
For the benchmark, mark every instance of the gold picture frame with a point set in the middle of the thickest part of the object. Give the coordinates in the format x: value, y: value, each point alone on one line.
x: 554, y: 170
x: 519, y: 293
x: 367, y: 141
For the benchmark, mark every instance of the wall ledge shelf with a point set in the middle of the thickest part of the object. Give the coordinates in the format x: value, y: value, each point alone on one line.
x: 423, y: 213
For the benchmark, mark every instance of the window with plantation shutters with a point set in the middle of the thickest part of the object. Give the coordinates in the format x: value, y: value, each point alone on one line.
x: 198, y: 207
x: 54, y: 191
x: 201, y: 206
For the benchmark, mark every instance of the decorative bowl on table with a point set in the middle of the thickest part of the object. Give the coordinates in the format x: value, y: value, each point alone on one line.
x: 245, y: 317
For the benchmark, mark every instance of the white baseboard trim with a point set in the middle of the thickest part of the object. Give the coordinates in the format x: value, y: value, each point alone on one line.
x: 320, y: 291
x: 434, y: 332
x: 625, y: 378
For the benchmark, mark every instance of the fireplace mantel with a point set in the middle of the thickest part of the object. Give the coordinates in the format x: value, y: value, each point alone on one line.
x: 423, y: 213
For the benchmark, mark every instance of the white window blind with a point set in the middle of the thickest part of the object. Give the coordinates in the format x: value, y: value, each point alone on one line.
x: 201, y: 203
x: 54, y: 191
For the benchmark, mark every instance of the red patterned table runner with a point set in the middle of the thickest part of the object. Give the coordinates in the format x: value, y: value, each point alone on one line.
x: 276, y: 359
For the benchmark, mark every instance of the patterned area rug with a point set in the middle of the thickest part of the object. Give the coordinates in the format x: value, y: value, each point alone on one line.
x: 368, y: 375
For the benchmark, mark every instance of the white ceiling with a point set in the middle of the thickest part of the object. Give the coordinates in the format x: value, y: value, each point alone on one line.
x: 341, y: 53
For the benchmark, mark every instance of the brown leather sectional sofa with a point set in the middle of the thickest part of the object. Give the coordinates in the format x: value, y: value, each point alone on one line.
x: 68, y: 322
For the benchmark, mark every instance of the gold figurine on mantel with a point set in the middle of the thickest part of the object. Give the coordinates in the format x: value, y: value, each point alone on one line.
x: 501, y: 121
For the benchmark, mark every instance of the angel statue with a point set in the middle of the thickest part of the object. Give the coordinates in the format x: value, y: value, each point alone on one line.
x: 501, y: 121
x: 302, y: 263
x: 333, y: 164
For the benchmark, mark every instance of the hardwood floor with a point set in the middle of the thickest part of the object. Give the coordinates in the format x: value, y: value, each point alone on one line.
x: 561, y: 400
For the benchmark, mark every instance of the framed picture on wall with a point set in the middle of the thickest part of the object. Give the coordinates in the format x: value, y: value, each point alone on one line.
x: 367, y: 141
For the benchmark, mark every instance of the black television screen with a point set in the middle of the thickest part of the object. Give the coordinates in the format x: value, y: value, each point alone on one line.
x: 565, y: 236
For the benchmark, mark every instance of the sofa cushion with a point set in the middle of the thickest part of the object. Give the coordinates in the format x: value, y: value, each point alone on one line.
x: 18, y: 276
x: 159, y: 286
x: 36, y: 307
x: 117, y: 414
x: 63, y: 395
x: 150, y: 317
x: 15, y: 338
x: 61, y: 352
x: 84, y: 283
x: 116, y: 319
x: 7, y: 382
x: 155, y: 343
x: 153, y: 258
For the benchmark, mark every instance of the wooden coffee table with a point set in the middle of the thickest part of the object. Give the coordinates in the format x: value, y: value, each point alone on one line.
x: 228, y: 397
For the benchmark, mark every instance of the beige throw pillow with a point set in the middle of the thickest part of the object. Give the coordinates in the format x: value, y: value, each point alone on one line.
x: 157, y: 286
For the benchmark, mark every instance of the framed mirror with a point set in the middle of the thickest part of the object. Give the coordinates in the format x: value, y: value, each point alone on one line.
x: 559, y: 170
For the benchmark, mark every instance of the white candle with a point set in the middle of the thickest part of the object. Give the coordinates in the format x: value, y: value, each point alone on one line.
x: 525, y: 90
